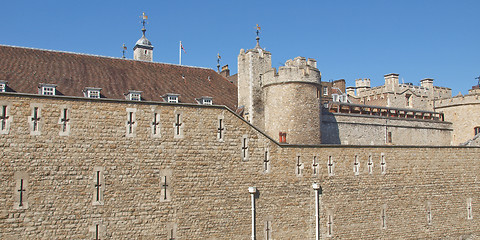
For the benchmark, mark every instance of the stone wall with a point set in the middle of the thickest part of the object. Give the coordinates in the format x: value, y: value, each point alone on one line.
x: 463, y: 112
x: 355, y: 129
x: 208, y: 176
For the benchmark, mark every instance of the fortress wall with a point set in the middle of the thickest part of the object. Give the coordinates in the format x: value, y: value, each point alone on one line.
x: 462, y: 111
x: 338, y: 128
x: 209, y: 179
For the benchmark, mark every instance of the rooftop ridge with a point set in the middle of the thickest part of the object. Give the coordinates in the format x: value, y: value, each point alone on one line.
x: 100, y: 56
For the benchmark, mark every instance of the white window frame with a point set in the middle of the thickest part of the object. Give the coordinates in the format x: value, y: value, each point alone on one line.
x: 325, y: 91
x: 207, y: 101
x: 172, y: 99
x: 3, y: 86
x: 48, y: 89
x: 134, y: 95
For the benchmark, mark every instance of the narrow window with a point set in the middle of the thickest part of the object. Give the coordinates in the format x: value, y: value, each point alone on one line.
x: 315, y: 165
x: 429, y: 214
x: 34, y: 121
x: 329, y: 224
x: 244, y: 147
x: 165, y: 185
x: 384, y: 217
x: 268, y: 230
x: 97, y: 231
x: 171, y: 231
x: 5, y: 119
x: 469, y: 208
x: 98, y: 185
x: 131, y: 123
x: 356, y: 166
x: 389, y: 137
x: 266, y: 162
x: 156, y: 124
x: 178, y: 125
x: 330, y: 166
x: 64, y: 122
x: 383, y: 164
x: 370, y: 164
x: 299, y: 167
x: 325, y: 91
x: 476, y: 130
x: 21, y: 191
x: 220, y: 129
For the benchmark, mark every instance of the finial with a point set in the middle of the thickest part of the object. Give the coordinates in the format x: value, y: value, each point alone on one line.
x: 258, y: 37
x: 144, y: 18
x: 124, y: 49
x: 478, y: 78
x: 218, y: 62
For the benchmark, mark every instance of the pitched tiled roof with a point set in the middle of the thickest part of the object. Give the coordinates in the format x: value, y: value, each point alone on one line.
x: 26, y: 68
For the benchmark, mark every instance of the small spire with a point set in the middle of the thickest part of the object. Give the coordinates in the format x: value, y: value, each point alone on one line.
x: 258, y: 37
x: 124, y: 49
x: 218, y: 62
x: 478, y: 78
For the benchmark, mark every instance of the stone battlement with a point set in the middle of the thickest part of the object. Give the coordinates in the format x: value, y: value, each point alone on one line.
x: 458, y: 100
x: 297, y: 70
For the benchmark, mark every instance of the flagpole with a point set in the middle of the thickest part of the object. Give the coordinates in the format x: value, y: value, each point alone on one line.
x: 180, y: 53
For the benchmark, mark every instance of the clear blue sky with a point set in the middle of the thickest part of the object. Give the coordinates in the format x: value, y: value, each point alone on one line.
x: 350, y: 39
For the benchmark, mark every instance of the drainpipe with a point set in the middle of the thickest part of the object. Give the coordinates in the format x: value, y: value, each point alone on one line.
x: 252, y: 191
x: 317, y: 188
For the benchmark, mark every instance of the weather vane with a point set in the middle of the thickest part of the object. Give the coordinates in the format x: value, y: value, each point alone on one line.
x: 124, y: 49
x: 218, y: 62
x: 144, y: 18
x: 258, y: 37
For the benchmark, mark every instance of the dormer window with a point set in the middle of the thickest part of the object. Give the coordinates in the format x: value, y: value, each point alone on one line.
x: 134, y: 95
x: 47, y: 89
x: 171, y: 97
x: 3, y: 86
x: 91, y: 92
x: 205, y: 100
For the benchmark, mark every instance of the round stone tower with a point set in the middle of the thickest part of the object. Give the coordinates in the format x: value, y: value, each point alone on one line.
x: 292, y: 101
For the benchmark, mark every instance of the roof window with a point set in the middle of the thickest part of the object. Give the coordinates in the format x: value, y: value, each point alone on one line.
x: 204, y: 100
x: 3, y: 86
x: 134, y: 95
x: 91, y: 92
x: 171, y: 97
x: 47, y: 89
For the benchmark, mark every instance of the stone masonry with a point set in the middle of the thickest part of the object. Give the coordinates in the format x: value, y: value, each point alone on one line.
x: 367, y: 192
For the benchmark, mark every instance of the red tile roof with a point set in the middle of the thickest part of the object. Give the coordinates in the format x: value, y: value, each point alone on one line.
x: 26, y: 68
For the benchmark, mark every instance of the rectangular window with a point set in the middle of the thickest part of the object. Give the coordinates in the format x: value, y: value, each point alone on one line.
x: 2, y: 87
x: 48, y: 91
x: 156, y: 124
x: 330, y: 166
x: 389, y: 137
x: 94, y: 94
x: 207, y: 101
x: 325, y: 91
x: 383, y: 164
x: 469, y: 208
x: 477, y: 130
x: 172, y: 99
x: 135, y: 96
x: 98, y: 185
x: 356, y: 166
x: 370, y: 164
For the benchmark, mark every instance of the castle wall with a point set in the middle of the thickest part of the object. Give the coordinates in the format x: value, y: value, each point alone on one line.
x: 340, y: 128
x: 208, y: 179
x: 463, y: 112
